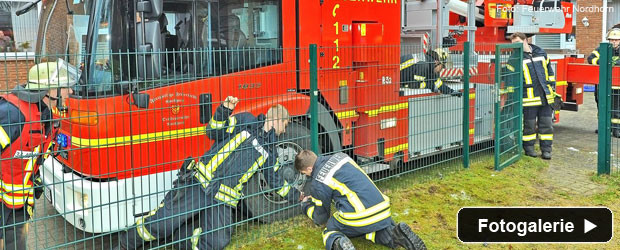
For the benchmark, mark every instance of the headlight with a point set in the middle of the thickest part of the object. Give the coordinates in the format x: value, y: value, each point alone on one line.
x: 80, y: 199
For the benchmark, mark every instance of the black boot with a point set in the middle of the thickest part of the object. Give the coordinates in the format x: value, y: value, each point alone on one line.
x: 530, y: 152
x: 405, y: 237
x: 616, y: 133
x: 343, y: 243
x: 546, y: 155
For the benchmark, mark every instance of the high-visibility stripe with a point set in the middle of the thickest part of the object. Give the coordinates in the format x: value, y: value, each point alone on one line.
x: 30, y: 164
x: 545, y: 63
x: 346, y: 114
x: 316, y: 202
x: 423, y: 85
x: 386, y: 109
x: 366, y: 213
x: 326, y: 235
x: 530, y: 94
x: 285, y: 189
x: 248, y: 174
x: 310, y: 212
x: 229, y: 191
x: 595, y: 61
x: 232, y: 121
x: 551, y: 78
x: 395, y: 149
x: 529, y: 137
x: 138, y: 139
x: 532, y: 104
x: 472, y: 131
x: 526, y: 74
x: 561, y: 83
x: 345, y: 191
x: 225, y: 198
x: 196, y: 238
x: 596, y: 54
x: 419, y: 78
x: 214, y: 124
x: 408, y: 63
x: 371, y: 237
x: 438, y: 83
x: 4, y: 138
x: 142, y: 232
x: 277, y: 166
x: 222, y: 154
x: 364, y: 222
x: 615, y: 120
x: 509, y: 67
x: 15, y: 200
x: 546, y: 137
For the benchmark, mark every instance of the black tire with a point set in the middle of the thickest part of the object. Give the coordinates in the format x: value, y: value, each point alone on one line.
x: 268, y: 206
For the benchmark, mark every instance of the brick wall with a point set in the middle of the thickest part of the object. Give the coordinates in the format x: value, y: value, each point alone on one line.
x: 13, y: 72
x: 588, y: 38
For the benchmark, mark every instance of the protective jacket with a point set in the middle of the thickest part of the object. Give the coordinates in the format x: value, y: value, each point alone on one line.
x: 241, y: 149
x: 23, y: 138
x: 539, y: 78
x: 420, y: 74
x: 359, y: 203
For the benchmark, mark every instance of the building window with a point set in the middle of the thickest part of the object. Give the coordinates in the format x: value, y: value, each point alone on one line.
x: 17, y: 33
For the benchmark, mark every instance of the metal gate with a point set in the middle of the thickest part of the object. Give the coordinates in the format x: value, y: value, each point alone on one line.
x: 508, y: 104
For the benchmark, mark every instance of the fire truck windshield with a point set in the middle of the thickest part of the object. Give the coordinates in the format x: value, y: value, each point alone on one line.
x: 189, y: 38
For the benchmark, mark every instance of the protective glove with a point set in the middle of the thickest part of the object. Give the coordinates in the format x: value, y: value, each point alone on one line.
x: 457, y: 94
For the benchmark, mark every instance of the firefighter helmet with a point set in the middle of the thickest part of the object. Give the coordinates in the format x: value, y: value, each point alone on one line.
x: 442, y: 55
x: 613, y: 34
x: 49, y: 75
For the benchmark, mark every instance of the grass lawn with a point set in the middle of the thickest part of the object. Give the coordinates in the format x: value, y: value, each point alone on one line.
x: 430, y: 207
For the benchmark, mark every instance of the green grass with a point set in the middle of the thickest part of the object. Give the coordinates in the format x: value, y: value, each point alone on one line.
x: 429, y: 206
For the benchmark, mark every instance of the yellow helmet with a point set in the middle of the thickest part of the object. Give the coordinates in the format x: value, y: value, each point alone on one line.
x: 442, y: 55
x: 613, y: 34
x: 48, y: 75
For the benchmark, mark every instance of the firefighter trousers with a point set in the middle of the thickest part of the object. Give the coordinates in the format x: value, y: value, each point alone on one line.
x: 211, y: 229
x: 14, y: 227
x: 181, y: 204
x: 541, y: 117
x: 615, y: 106
x: 335, y: 230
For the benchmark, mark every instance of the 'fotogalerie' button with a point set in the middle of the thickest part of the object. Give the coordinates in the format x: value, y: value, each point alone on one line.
x: 535, y: 225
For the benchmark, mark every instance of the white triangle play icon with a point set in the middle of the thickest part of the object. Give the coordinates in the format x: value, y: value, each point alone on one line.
x: 587, y: 226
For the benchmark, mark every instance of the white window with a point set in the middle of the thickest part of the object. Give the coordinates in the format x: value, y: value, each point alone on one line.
x: 18, y: 34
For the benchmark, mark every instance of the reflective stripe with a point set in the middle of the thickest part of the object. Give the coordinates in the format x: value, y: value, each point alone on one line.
x: 407, y: 63
x: 529, y: 137
x: 4, y: 138
x: 310, y: 212
x: 248, y: 174
x: 277, y: 166
x: 596, y: 54
x: 615, y: 120
x: 419, y: 78
x: 526, y: 74
x: 326, y: 235
x: 509, y: 67
x: 546, y: 137
x: 368, y: 212
x: 438, y: 83
x: 216, y: 124
x: 30, y: 164
x: 259, y: 148
x: 16, y: 200
x: 208, y: 169
x: 545, y: 63
x: 530, y: 94
x: 142, y: 232
x: 196, y: 238
x: 285, y: 189
x: 532, y: 104
x: 535, y: 59
x: 551, y: 78
x: 371, y: 236
x: 226, y: 199
x: 345, y: 191
x: 316, y: 202
x: 229, y: 191
x: 423, y: 85
x: 364, y: 222
x: 232, y: 121
x: 595, y: 61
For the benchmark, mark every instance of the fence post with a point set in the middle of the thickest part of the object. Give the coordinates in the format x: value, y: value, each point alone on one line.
x: 466, y: 101
x: 314, y: 92
x: 604, y: 114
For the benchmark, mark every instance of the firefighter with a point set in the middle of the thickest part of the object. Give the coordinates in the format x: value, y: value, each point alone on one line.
x: 361, y: 208
x: 538, y: 97
x: 26, y: 132
x: 198, y: 212
x: 614, y: 38
x: 425, y: 74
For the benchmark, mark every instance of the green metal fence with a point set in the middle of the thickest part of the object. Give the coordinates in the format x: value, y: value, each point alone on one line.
x: 134, y: 118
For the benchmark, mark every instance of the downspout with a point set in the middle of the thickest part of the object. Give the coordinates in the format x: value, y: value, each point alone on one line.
x: 604, y: 24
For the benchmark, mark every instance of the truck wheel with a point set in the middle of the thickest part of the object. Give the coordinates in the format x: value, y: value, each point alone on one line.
x: 268, y: 206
